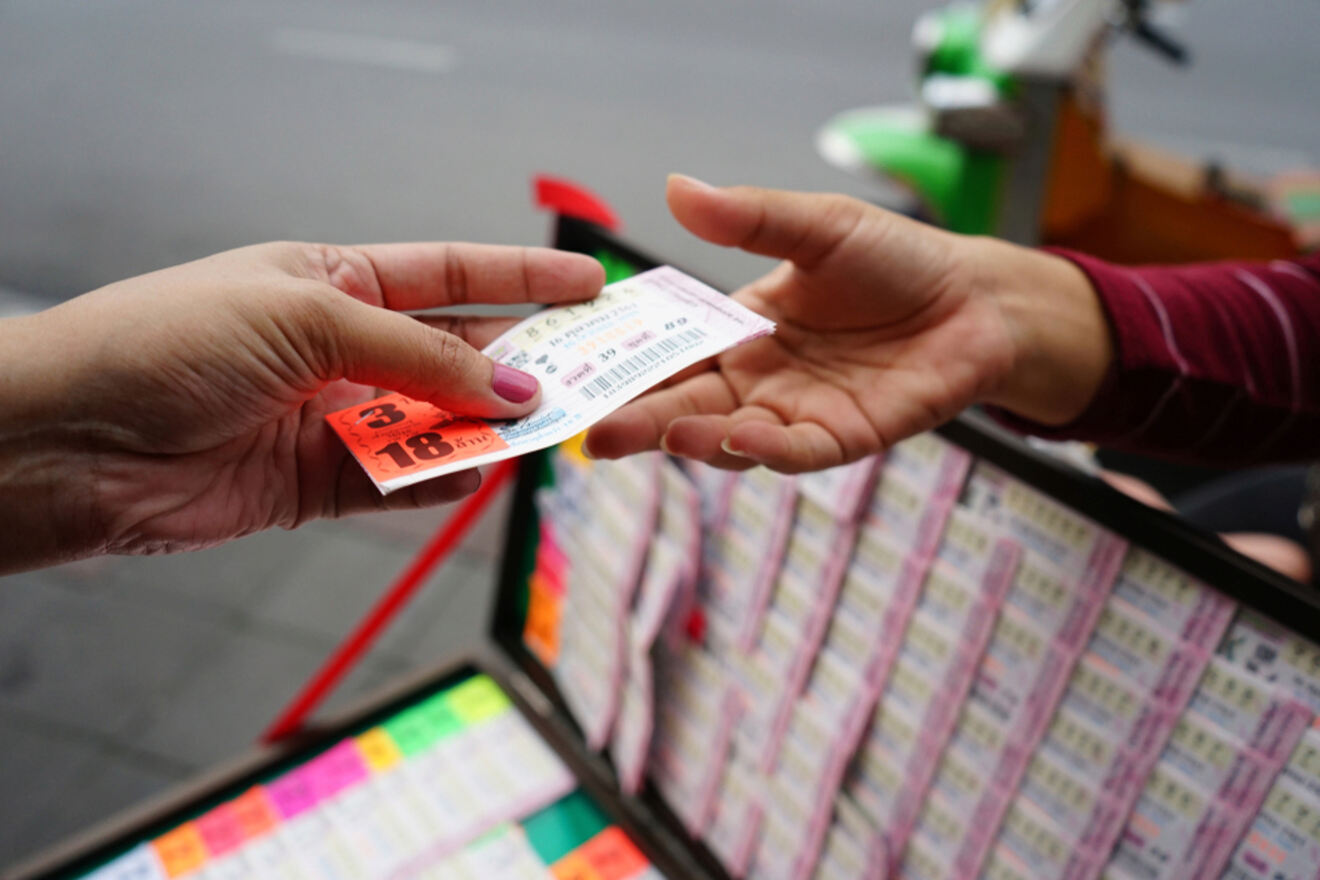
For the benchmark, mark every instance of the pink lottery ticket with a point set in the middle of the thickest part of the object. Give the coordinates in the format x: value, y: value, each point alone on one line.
x: 1275, y: 655
x: 631, y: 741
x: 842, y: 491
x: 928, y: 460
x: 1184, y: 606
x: 1254, y: 711
x: 714, y: 489
x: 735, y: 820
x: 760, y: 516
x: 1283, y: 842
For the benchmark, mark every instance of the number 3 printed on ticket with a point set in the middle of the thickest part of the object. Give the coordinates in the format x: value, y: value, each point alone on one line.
x: 590, y: 358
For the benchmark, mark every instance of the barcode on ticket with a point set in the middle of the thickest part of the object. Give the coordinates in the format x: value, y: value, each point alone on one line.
x: 634, y: 365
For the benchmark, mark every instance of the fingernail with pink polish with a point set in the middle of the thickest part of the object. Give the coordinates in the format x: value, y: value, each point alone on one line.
x: 513, y: 385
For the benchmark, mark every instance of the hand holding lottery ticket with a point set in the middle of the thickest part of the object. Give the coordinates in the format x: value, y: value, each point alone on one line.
x: 184, y: 408
x: 887, y: 328
x: 590, y: 358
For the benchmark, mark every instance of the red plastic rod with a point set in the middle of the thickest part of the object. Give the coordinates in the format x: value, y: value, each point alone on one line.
x: 405, y: 586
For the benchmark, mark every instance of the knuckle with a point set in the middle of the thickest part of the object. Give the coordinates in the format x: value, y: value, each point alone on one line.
x: 310, y: 321
x: 456, y: 277
x: 451, y: 355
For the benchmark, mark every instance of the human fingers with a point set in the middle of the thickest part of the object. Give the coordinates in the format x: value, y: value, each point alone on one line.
x: 1284, y: 556
x: 477, y: 332
x: 701, y: 438
x: 800, y: 227
x: 640, y: 425
x: 790, y: 449
x: 426, y: 275
x: 355, y: 493
x: 1138, y: 489
x: 347, y: 339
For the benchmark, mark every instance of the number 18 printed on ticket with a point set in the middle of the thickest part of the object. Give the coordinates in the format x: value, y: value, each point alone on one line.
x: 590, y: 358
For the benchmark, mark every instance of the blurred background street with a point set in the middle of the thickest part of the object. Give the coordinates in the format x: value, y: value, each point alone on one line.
x: 136, y: 134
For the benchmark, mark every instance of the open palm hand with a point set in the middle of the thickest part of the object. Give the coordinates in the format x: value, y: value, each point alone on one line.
x: 881, y: 334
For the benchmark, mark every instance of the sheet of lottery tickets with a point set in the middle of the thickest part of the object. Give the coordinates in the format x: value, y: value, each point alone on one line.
x: 590, y: 358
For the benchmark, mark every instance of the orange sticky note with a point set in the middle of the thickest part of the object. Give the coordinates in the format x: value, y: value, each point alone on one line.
x: 182, y: 850
x: 395, y: 436
x: 541, y: 629
x: 613, y: 855
x: 574, y: 866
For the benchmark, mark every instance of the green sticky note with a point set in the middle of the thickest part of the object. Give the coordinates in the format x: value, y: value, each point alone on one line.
x: 440, y: 717
x: 564, y: 826
x: 411, y: 730
x: 477, y: 699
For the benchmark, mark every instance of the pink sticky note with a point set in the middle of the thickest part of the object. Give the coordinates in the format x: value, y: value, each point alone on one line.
x: 221, y: 829
x: 293, y: 793
x: 336, y: 769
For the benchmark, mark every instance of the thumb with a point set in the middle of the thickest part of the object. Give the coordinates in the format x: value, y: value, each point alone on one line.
x: 374, y: 346
x: 801, y: 227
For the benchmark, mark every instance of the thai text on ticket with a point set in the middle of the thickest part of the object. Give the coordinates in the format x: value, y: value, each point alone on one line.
x: 590, y: 358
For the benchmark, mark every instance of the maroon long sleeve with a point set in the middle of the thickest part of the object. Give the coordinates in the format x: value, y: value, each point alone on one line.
x: 1214, y: 363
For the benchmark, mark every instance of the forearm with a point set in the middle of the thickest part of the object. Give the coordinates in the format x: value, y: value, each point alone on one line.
x: 1212, y: 362
x: 45, y: 508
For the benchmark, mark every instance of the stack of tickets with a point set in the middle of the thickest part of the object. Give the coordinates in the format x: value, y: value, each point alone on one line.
x: 919, y: 666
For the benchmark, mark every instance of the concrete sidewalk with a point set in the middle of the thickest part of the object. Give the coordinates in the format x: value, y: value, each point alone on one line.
x: 122, y: 676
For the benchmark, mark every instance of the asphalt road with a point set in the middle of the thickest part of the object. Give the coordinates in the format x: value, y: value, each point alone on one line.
x: 140, y: 133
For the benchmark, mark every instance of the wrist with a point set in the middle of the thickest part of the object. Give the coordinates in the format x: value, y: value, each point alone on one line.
x: 1062, y: 342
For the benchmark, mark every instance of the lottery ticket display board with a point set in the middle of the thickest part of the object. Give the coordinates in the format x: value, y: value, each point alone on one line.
x: 455, y: 784
x: 955, y: 660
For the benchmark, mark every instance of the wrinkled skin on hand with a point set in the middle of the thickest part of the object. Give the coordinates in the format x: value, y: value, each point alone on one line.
x: 186, y: 407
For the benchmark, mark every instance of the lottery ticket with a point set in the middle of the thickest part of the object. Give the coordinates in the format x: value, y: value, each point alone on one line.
x: 1051, y: 597
x: 842, y: 491
x: 1042, y: 524
x: 1252, y: 781
x: 1283, y: 842
x: 1202, y: 751
x: 590, y: 358
x: 931, y: 462
x: 1181, y: 604
x: 735, y: 821
x: 941, y: 826
x: 923, y: 859
x: 1303, y: 768
x: 714, y: 486
x: 631, y: 740
x: 1250, y: 709
x: 845, y: 854
x: 1134, y: 646
x: 1089, y: 751
x: 961, y: 777
x: 693, y: 730
x: 1162, y: 826
x: 1014, y: 674
x: 1114, y: 704
x: 908, y: 510
x: 967, y: 541
x: 1071, y: 800
x: 1036, y: 840
x: 1275, y: 655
